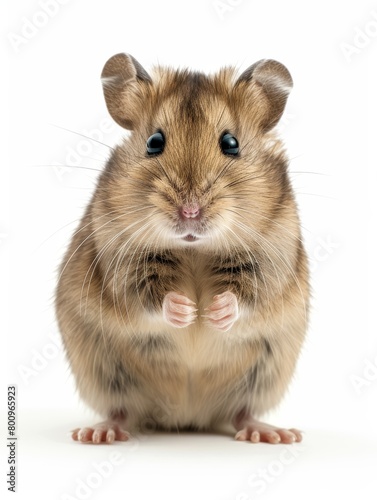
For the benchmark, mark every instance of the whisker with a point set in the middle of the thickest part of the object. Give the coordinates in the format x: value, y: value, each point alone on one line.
x: 316, y: 194
x: 310, y: 173
x: 104, y: 249
x: 81, y: 135
x: 65, y: 166
x: 280, y: 256
x: 125, y: 281
x: 89, y: 236
x: 132, y: 257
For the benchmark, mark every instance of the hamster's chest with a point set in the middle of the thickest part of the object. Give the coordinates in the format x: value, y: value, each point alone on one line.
x: 197, y: 356
x: 198, y: 347
x: 190, y: 364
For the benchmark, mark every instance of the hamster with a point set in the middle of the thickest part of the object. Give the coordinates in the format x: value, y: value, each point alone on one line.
x: 183, y: 297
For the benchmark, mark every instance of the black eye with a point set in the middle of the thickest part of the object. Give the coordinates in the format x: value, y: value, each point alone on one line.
x: 229, y: 144
x: 155, y: 144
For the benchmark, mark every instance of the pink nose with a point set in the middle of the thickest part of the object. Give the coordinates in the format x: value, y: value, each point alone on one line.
x: 190, y: 211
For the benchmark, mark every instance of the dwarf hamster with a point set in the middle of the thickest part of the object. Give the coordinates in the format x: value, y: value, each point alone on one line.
x: 183, y: 297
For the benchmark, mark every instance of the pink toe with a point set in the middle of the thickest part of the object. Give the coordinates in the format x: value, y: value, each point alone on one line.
x: 85, y: 434
x: 124, y: 435
x: 273, y: 437
x: 255, y: 437
x: 110, y: 436
x: 97, y: 436
x: 287, y: 437
x: 298, y: 434
x: 241, y: 435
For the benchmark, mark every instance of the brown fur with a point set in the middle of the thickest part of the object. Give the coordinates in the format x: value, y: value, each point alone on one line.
x: 122, y: 260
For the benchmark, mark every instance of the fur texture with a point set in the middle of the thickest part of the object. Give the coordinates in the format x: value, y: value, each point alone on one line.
x: 129, y: 252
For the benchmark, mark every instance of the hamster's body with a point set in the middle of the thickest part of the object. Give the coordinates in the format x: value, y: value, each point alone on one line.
x: 183, y: 297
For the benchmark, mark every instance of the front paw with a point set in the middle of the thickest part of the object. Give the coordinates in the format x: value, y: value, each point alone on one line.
x: 178, y: 310
x: 223, y: 312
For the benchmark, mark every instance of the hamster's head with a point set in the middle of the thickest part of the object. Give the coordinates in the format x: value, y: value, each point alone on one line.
x: 202, y: 165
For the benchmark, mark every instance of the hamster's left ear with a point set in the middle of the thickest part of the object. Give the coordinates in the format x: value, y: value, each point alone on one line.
x: 269, y: 83
x: 124, y: 79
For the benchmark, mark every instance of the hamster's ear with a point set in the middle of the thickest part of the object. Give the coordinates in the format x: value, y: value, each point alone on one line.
x: 275, y: 82
x: 122, y: 79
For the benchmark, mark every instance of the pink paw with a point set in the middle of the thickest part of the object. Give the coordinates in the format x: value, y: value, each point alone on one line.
x: 223, y: 312
x: 105, y: 432
x: 178, y: 310
x: 258, y: 432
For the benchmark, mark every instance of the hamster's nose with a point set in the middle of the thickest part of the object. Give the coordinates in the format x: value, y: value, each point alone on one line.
x: 190, y: 211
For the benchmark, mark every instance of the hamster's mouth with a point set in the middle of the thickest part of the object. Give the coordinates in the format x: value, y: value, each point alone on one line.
x: 190, y: 238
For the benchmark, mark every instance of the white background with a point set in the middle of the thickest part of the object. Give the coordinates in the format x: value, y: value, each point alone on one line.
x: 329, y: 129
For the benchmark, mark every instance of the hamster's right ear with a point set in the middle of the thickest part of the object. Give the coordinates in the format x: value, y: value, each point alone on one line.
x: 123, y: 78
x: 267, y: 84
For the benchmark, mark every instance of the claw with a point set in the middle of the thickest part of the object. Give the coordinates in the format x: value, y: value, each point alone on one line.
x: 223, y: 312
x: 178, y: 310
x: 105, y: 432
x: 255, y: 432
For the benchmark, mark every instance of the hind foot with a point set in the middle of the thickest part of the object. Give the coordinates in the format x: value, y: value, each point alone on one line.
x: 104, y: 432
x: 254, y: 431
